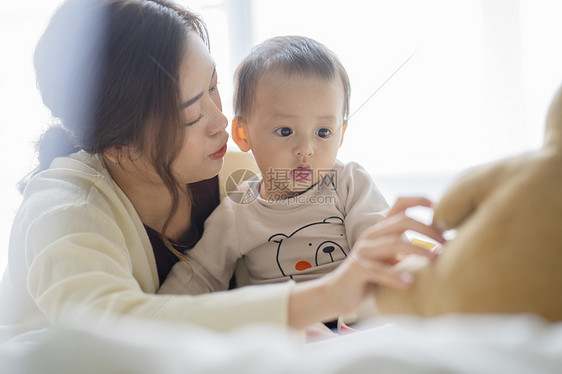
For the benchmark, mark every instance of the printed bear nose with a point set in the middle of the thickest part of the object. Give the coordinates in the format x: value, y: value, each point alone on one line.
x: 328, y: 249
x: 302, y: 265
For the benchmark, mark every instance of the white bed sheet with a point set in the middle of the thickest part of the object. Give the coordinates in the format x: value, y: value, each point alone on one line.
x: 466, y: 344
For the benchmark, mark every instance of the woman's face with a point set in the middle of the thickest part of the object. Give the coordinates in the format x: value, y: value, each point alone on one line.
x: 204, y: 143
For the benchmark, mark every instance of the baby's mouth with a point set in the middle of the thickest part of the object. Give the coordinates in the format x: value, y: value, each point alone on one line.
x: 301, y: 173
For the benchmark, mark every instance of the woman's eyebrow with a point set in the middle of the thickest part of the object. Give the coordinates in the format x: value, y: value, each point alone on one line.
x: 194, y: 99
x: 191, y: 101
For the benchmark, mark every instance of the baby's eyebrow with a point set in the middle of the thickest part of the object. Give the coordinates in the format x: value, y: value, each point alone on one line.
x: 283, y: 115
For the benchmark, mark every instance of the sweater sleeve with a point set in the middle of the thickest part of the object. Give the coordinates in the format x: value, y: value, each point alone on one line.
x: 362, y: 202
x: 211, y: 262
x: 79, y: 266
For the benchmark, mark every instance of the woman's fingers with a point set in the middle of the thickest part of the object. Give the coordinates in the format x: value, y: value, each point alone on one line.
x: 398, y: 224
x: 386, y: 248
x: 378, y: 248
x: 381, y: 274
x: 403, y: 203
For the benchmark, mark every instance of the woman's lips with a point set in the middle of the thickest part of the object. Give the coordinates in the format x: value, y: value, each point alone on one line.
x: 220, y: 153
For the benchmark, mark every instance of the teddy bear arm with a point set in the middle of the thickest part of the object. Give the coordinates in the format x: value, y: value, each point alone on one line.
x: 464, y: 196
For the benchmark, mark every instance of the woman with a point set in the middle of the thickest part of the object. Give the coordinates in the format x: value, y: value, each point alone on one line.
x: 141, y: 143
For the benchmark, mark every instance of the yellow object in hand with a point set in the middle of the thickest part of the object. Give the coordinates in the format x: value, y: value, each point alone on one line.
x: 423, y: 243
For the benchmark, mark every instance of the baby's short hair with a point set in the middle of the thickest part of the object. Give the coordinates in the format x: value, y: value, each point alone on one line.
x: 292, y: 55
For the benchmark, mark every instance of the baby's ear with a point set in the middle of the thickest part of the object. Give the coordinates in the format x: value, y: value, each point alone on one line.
x: 240, y: 134
x: 343, y: 128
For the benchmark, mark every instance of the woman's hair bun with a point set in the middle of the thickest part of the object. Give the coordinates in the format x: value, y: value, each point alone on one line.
x: 55, y: 142
x: 68, y: 58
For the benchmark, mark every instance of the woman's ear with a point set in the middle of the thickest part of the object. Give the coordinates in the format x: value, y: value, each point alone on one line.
x: 112, y: 154
x: 343, y: 128
x: 240, y: 135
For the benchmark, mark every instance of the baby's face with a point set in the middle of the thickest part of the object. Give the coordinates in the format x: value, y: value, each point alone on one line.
x: 295, y: 130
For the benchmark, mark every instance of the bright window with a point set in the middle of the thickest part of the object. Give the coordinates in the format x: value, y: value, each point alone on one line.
x: 476, y: 88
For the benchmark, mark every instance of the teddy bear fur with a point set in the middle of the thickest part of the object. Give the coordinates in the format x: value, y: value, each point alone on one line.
x: 507, y: 253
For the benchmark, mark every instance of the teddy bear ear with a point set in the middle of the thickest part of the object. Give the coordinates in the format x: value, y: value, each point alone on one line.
x: 553, y: 131
x: 334, y: 219
x: 277, y: 238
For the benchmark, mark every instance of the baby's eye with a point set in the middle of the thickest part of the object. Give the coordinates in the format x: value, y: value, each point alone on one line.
x: 323, y: 132
x: 284, y: 131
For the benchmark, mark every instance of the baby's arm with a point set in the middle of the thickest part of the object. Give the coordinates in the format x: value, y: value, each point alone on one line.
x: 363, y: 203
x: 211, y: 262
x: 363, y: 206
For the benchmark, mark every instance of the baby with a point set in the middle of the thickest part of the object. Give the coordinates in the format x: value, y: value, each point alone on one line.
x: 301, y: 217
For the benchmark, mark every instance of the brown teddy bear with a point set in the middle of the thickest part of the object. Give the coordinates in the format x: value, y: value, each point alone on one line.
x: 507, y: 254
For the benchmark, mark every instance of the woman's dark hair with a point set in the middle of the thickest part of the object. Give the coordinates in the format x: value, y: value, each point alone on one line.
x: 109, y: 72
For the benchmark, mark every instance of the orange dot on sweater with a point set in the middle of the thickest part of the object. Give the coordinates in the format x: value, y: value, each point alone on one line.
x: 302, y: 265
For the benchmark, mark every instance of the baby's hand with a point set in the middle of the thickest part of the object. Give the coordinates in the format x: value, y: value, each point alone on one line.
x: 318, y: 331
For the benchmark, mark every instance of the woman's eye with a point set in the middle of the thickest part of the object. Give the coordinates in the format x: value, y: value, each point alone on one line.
x: 284, y: 131
x: 214, y: 88
x: 323, y: 132
x: 195, y: 121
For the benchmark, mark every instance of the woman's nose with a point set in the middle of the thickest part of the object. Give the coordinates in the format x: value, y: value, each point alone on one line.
x: 218, y: 121
x: 221, y: 121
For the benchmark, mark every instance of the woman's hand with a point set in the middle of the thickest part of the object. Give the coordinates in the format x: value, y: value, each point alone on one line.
x: 369, y: 265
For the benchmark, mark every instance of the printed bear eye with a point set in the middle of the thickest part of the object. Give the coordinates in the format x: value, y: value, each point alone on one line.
x: 284, y: 131
x: 310, y: 244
